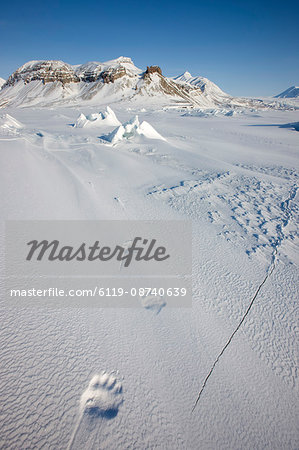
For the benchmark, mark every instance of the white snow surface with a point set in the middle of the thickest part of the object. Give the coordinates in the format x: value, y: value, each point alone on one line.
x: 129, y: 378
x: 2, y: 81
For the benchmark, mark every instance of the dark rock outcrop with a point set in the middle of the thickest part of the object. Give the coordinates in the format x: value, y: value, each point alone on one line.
x: 109, y: 76
x: 50, y: 71
x: 153, y: 69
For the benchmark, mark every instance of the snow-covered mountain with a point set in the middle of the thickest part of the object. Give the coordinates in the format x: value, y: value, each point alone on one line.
x: 52, y: 82
x: 209, y: 89
x: 2, y: 81
x: 48, y: 83
x: 291, y: 92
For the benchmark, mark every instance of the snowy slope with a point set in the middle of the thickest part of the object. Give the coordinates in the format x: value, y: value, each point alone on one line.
x: 291, y: 92
x: 2, y: 81
x: 235, y: 178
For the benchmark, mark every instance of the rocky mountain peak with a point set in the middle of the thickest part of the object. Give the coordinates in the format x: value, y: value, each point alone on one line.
x: 153, y: 69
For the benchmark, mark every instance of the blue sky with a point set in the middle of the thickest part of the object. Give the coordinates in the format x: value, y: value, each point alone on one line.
x: 247, y: 48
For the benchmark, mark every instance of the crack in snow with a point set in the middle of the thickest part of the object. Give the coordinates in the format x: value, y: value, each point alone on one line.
x: 285, y: 206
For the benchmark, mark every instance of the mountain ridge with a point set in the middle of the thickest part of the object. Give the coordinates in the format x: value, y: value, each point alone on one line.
x: 87, y: 81
x: 55, y: 83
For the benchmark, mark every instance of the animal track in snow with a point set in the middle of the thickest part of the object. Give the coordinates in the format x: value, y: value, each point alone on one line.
x: 154, y: 303
x: 102, y: 397
x: 244, y: 208
x: 274, y: 171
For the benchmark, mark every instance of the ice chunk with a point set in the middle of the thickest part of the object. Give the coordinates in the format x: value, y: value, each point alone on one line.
x: 9, y: 125
x: 7, y: 121
x: 131, y: 129
x: 107, y: 117
x: 148, y: 131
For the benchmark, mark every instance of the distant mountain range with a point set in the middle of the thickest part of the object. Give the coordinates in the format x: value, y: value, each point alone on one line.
x: 292, y: 92
x: 49, y: 83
